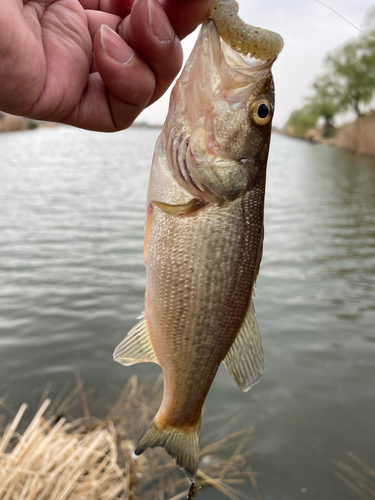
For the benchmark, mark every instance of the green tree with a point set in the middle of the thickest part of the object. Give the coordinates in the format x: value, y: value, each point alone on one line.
x: 348, y: 84
x: 352, y: 72
x: 368, y: 24
x: 324, y: 102
x: 301, y: 121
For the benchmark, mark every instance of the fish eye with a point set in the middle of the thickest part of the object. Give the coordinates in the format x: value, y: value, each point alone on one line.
x: 261, y: 112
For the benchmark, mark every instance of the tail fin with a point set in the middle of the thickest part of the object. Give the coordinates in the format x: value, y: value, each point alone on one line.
x: 182, y: 445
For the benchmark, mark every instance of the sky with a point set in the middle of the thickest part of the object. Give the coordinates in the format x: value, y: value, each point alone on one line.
x: 310, y: 31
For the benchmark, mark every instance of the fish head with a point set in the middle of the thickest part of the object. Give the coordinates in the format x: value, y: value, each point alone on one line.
x: 219, y: 127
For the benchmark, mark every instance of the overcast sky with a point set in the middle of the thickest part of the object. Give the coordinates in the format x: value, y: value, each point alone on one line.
x: 310, y: 31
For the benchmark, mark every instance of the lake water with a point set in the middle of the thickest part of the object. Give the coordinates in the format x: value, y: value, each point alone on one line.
x: 72, y: 283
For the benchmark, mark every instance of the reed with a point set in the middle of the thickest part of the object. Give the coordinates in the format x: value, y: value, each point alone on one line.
x: 357, y: 137
x: 92, y: 459
x: 357, y: 475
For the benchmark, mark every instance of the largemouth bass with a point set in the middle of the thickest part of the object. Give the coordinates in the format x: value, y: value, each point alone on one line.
x: 204, y: 229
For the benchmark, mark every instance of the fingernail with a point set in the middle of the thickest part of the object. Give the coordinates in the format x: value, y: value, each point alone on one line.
x: 159, y: 22
x: 115, y: 46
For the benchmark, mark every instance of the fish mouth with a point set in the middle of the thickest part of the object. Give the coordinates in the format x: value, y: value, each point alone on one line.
x: 239, y: 61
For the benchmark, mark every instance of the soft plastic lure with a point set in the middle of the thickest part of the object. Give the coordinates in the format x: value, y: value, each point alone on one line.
x: 244, y: 38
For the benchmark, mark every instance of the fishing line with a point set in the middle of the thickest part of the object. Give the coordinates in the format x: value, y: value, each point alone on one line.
x: 342, y: 17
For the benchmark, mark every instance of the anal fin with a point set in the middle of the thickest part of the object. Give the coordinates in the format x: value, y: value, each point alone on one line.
x: 136, y: 346
x: 244, y: 360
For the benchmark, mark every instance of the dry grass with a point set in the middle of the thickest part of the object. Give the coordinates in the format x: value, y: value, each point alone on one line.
x: 90, y: 459
x: 357, y: 137
x: 357, y: 475
x: 59, y: 461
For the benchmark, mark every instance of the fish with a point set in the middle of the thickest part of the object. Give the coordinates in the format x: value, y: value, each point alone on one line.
x: 204, y: 229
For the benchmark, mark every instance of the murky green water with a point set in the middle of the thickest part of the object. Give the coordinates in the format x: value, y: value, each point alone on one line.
x: 72, y: 283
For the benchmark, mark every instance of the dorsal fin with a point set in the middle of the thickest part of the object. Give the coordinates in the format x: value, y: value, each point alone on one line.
x: 244, y: 360
x: 136, y: 346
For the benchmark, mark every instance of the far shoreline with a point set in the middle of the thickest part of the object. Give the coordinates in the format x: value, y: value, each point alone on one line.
x: 13, y: 123
x: 356, y: 137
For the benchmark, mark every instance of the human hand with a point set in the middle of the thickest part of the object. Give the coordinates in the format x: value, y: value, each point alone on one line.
x: 94, y: 64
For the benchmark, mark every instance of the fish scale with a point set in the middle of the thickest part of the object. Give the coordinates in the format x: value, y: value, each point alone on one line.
x: 216, y: 298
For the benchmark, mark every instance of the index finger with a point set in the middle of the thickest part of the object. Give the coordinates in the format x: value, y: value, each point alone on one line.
x: 186, y: 15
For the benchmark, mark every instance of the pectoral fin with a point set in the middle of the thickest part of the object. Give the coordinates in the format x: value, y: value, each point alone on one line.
x: 136, y: 346
x: 187, y: 209
x: 244, y: 360
x: 148, y: 224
